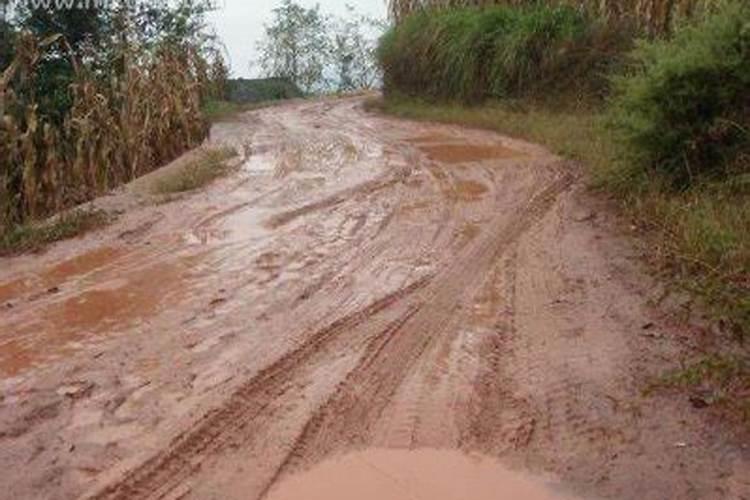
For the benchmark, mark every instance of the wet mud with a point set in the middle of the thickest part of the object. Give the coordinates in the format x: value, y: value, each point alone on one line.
x: 410, y: 475
x: 358, y: 285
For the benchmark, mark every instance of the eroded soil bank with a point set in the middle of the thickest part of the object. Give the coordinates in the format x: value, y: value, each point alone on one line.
x: 359, y: 283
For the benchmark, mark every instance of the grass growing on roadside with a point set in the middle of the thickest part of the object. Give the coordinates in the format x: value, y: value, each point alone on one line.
x: 36, y: 236
x: 500, y: 51
x: 719, y: 381
x: 210, y: 165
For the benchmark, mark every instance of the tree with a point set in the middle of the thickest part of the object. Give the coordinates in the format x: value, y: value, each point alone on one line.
x: 7, y: 37
x: 353, y: 50
x: 296, y: 45
x: 80, y: 26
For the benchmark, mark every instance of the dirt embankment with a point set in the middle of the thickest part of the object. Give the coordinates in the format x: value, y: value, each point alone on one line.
x: 359, y: 283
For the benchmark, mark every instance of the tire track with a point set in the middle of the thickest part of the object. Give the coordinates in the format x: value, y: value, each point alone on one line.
x: 350, y: 413
x: 365, y: 392
x: 165, y: 471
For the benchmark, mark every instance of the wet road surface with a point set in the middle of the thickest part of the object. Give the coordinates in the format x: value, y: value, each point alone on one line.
x: 359, y: 283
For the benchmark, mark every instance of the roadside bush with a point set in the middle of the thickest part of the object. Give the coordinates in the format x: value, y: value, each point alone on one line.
x: 684, y: 108
x: 243, y: 91
x: 476, y: 53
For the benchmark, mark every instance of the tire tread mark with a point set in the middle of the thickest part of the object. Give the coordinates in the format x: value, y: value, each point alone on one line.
x: 156, y: 477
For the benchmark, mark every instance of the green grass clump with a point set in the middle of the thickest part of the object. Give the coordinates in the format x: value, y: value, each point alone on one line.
x: 210, y: 165
x: 36, y: 236
x: 722, y: 381
x: 684, y: 107
x: 475, y: 53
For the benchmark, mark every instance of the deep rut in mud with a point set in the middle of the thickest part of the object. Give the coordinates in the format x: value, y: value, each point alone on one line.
x: 358, y: 283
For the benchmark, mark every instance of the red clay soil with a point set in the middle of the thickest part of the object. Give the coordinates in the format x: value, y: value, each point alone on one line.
x: 360, y: 285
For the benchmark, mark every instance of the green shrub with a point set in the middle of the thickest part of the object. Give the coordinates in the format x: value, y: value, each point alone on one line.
x: 244, y: 91
x: 476, y: 53
x: 684, y: 109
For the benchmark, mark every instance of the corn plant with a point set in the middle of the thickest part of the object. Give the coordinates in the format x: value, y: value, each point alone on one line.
x: 120, y: 125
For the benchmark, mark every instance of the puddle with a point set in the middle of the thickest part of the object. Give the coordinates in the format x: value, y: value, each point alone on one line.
x: 74, y: 267
x: 105, y: 309
x: 425, y: 139
x: 83, y: 264
x: 413, y: 475
x: 466, y: 153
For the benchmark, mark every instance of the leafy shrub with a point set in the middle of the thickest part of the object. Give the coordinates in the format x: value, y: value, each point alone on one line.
x: 684, y: 109
x: 472, y: 54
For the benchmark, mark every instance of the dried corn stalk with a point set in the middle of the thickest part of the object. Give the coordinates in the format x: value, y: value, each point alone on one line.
x: 116, y: 129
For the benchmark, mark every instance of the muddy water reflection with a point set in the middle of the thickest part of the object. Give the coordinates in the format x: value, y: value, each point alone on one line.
x: 467, y: 153
x: 412, y: 475
x: 124, y: 294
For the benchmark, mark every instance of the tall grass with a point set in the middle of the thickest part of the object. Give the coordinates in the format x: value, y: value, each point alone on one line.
x: 654, y: 16
x: 472, y: 54
x: 119, y: 125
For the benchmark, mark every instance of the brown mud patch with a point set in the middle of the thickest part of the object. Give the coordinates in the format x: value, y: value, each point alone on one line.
x: 106, y: 309
x: 59, y: 273
x: 11, y: 290
x: 83, y: 264
x: 262, y: 326
x: 468, y: 190
x: 428, y: 138
x: 411, y: 475
x: 467, y: 153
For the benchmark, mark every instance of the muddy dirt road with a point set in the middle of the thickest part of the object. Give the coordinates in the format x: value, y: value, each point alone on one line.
x: 360, y: 283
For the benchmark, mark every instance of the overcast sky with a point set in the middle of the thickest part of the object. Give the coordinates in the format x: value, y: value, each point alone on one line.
x: 239, y: 23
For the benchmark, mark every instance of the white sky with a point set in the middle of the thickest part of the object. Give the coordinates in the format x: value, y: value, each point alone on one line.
x: 239, y: 23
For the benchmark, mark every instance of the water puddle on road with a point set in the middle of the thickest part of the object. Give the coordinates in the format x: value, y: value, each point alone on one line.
x: 75, y: 313
x: 467, y: 153
x: 71, y: 268
x: 413, y: 475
